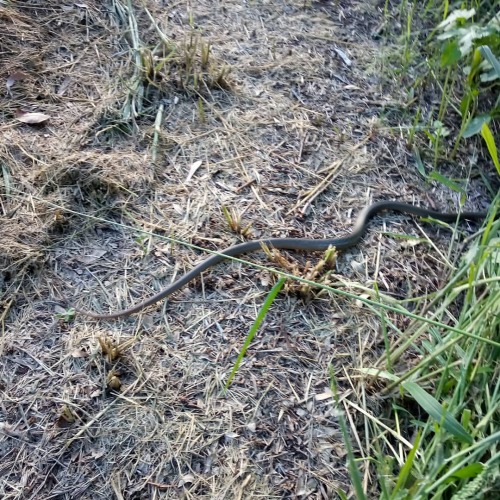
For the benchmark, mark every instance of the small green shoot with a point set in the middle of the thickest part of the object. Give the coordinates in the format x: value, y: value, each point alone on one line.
x: 406, y: 470
x: 68, y: 315
x: 255, y: 326
x: 144, y: 241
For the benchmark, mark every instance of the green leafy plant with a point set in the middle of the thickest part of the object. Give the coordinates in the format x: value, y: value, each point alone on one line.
x: 476, y: 46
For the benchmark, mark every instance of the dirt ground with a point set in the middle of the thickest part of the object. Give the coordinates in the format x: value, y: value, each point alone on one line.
x: 294, y: 124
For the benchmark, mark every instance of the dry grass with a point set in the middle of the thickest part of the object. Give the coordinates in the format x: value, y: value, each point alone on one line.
x: 292, y: 145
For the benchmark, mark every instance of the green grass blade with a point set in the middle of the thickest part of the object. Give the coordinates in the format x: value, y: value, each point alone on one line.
x: 490, y: 143
x: 438, y: 412
x: 436, y: 176
x: 469, y: 471
x: 256, y: 324
x: 406, y: 469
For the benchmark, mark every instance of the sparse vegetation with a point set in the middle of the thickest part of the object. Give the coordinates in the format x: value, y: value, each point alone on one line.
x: 455, y: 380
x: 135, y: 136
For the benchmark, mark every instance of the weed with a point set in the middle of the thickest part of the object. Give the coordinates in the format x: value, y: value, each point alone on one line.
x: 187, y: 66
x: 234, y: 222
x: 473, y: 46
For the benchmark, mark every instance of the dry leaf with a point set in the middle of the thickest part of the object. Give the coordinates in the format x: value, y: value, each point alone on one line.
x: 66, y: 417
x: 252, y: 426
x: 93, y: 257
x: 32, y: 118
x: 178, y: 208
x: 343, y: 56
x: 265, y: 279
x: 360, y: 303
x: 194, y: 167
x: 324, y: 395
x: 187, y: 479
x: 15, y: 77
x: 357, y: 266
x: 79, y: 353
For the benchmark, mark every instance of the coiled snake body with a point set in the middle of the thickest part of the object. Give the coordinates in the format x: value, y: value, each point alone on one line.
x: 306, y: 244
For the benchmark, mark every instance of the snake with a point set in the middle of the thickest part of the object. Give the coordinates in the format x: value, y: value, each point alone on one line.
x: 305, y: 244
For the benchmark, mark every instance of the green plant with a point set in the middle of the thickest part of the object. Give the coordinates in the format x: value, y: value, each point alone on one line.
x: 476, y: 46
x: 460, y: 57
x: 455, y: 385
x: 255, y: 327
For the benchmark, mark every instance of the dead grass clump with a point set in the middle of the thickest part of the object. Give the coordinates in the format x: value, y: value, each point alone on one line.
x: 25, y: 235
x: 164, y: 67
x: 50, y: 168
x: 187, y: 65
x: 23, y: 44
x: 100, y: 177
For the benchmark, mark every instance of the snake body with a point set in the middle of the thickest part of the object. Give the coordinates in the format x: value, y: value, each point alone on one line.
x: 306, y: 244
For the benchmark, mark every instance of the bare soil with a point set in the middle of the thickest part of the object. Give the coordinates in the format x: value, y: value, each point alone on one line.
x: 296, y: 125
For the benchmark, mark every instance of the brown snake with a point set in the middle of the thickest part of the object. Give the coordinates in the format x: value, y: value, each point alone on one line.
x: 309, y: 245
